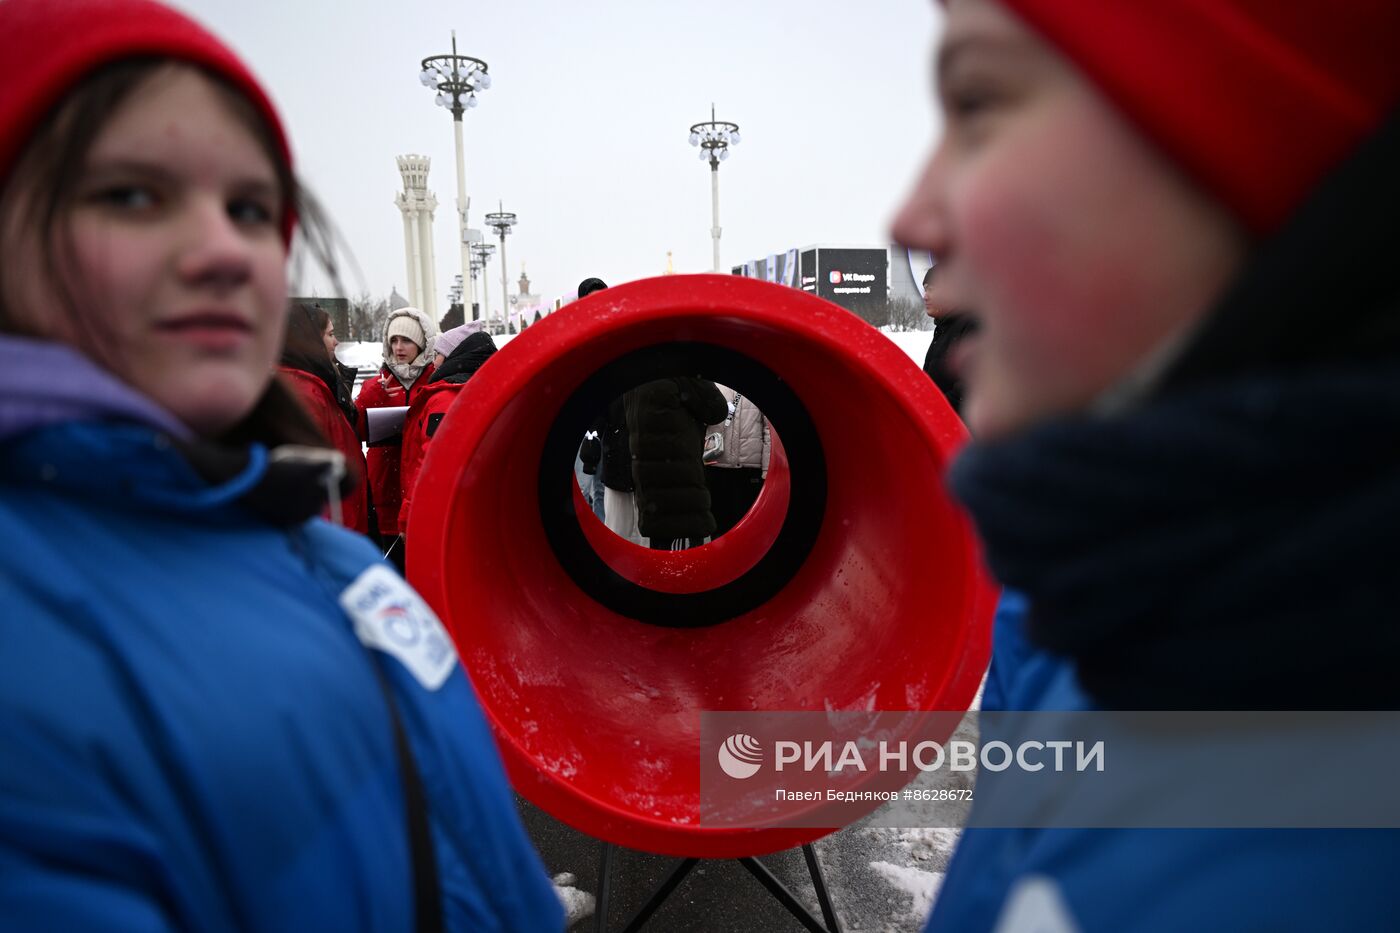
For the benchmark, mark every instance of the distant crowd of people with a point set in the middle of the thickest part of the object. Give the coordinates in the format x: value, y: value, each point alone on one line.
x: 669, y: 465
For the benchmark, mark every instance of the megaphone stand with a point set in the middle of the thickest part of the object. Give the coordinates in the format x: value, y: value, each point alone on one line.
x: 754, y: 867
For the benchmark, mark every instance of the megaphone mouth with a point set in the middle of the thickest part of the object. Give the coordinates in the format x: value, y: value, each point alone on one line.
x: 745, y: 568
x: 598, y: 715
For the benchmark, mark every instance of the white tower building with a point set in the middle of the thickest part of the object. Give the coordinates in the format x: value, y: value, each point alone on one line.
x: 417, y: 205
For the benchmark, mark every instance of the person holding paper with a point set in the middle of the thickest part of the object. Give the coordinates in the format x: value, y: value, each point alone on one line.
x: 408, y: 335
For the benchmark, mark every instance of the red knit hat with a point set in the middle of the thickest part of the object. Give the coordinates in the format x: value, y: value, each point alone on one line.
x: 1257, y: 99
x: 48, y: 46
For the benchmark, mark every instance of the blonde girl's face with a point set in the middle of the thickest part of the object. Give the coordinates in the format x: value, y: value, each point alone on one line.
x: 1077, y: 246
x: 176, y: 251
x: 403, y: 349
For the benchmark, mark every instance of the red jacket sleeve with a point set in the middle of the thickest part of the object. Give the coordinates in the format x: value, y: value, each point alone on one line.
x: 427, y: 407
x: 314, y: 398
x: 415, y: 442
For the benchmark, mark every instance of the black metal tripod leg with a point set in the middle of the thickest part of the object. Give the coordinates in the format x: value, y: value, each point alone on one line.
x: 784, y: 896
x: 600, y: 915
x: 819, y: 882
x: 658, y: 898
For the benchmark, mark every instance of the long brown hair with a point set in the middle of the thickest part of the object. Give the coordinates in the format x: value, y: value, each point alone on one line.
x: 306, y: 327
x: 39, y: 196
x: 305, y: 349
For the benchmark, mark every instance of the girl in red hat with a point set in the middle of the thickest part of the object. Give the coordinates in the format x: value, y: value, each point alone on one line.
x: 218, y: 712
x: 1172, y: 222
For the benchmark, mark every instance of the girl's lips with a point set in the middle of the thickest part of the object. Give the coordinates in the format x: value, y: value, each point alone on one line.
x: 211, y: 330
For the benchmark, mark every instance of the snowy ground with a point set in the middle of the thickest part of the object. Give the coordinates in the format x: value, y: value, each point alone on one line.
x: 882, y: 878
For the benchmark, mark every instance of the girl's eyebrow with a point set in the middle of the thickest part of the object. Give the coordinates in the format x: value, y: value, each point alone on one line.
x: 950, y: 51
x: 127, y: 166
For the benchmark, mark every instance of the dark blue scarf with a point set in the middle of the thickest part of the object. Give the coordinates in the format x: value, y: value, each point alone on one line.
x: 1235, y: 544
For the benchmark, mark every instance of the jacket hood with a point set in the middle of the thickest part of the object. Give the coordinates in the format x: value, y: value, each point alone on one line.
x: 44, y: 383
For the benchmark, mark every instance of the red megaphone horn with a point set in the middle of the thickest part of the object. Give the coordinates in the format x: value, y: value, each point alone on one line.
x: 854, y: 582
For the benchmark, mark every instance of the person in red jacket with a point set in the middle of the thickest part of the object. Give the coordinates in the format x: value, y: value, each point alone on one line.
x: 309, y: 368
x: 460, y: 353
x: 408, y: 336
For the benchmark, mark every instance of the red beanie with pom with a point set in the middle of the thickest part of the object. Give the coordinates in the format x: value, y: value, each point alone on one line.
x: 48, y: 46
x: 1257, y: 99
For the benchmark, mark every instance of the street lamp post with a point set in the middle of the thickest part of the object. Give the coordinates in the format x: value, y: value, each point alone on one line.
x: 714, y: 138
x: 454, y: 294
x: 481, y: 252
x: 457, y: 80
x: 476, y: 267
x: 501, y: 221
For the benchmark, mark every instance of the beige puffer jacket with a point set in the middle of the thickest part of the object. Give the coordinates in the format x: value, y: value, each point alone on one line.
x: 747, y: 439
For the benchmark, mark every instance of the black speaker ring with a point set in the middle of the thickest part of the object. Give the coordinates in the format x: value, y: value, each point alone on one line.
x: 800, y: 526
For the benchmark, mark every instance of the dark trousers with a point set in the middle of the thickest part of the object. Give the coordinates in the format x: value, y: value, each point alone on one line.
x: 732, y: 493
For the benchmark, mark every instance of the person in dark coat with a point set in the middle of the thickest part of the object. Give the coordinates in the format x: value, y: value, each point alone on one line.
x: 613, y: 473
x: 614, y: 468
x: 666, y: 422
x: 950, y: 328
x: 590, y: 454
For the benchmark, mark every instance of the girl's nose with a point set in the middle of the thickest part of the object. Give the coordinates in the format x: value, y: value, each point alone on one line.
x: 216, y: 251
x: 922, y: 220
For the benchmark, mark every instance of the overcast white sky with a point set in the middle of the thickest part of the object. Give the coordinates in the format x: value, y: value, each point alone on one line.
x: 583, y: 133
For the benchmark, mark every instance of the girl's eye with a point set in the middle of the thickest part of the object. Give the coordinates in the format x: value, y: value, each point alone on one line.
x: 967, y: 99
x: 250, y: 211
x: 968, y: 103
x: 127, y: 197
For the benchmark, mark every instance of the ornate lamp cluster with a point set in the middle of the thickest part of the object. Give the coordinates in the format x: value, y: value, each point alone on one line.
x: 456, y: 78
x: 714, y: 137
x: 481, y: 252
x: 502, y: 221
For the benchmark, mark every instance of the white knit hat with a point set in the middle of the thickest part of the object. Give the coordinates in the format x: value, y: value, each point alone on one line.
x: 406, y: 325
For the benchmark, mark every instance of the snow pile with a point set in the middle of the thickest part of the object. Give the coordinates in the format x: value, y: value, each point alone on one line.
x: 577, y: 904
x: 920, y: 885
x: 360, y: 354
x: 933, y: 844
x: 914, y: 343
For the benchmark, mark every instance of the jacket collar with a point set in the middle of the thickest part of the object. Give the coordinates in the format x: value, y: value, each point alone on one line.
x: 43, y: 383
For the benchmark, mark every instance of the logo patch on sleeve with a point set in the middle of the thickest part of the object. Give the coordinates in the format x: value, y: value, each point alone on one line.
x: 390, y: 617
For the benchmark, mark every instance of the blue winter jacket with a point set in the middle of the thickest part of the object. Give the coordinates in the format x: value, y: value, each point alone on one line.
x: 1150, y: 881
x: 192, y: 734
